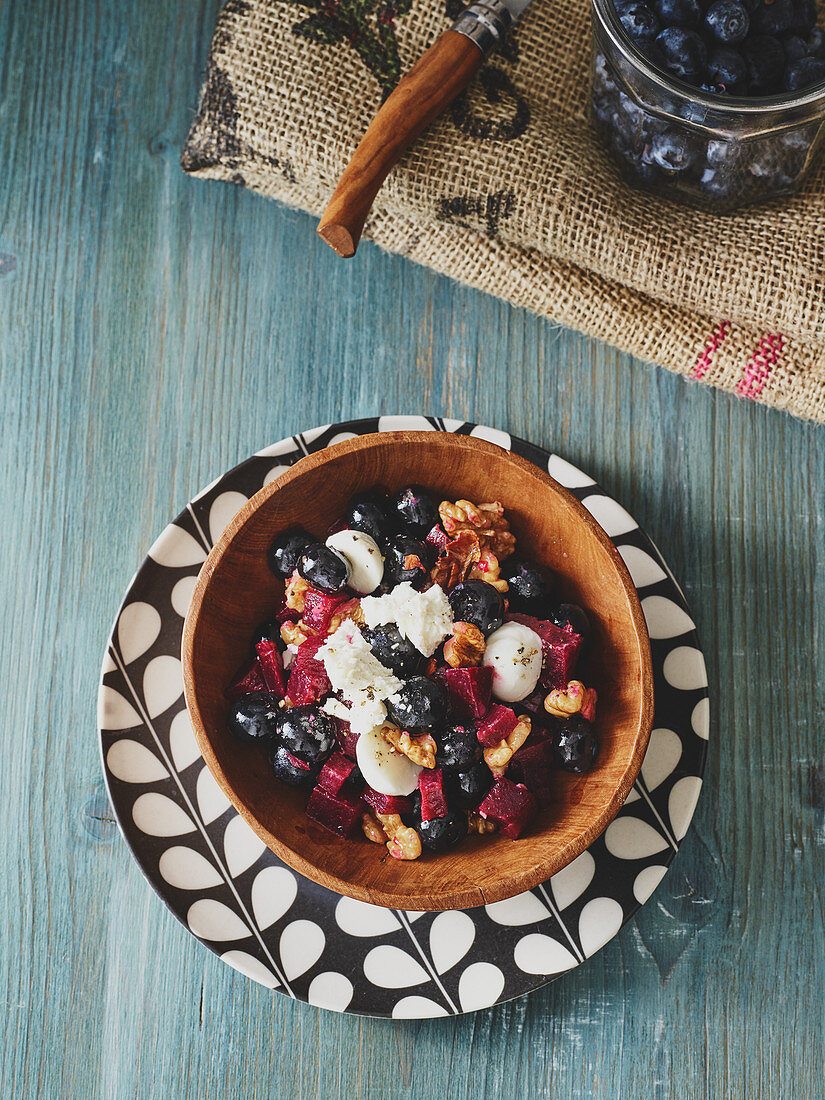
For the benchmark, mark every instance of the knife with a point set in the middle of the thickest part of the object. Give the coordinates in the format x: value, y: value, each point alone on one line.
x: 439, y: 76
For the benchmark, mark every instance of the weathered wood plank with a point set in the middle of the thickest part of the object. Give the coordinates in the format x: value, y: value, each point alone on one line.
x: 153, y: 331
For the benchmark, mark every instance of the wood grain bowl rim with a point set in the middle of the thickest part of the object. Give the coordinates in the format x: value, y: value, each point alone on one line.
x: 459, y: 899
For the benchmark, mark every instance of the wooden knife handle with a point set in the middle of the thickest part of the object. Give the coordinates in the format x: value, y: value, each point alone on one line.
x: 434, y: 81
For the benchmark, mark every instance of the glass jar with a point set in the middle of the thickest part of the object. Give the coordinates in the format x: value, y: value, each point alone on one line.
x: 717, y: 151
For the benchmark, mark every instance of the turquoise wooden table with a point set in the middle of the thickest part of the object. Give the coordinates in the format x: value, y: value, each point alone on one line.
x: 156, y: 330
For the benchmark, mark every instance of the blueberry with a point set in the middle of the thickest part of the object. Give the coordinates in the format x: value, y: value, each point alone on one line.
x: 727, y: 22
x: 443, y: 832
x: 726, y: 70
x: 719, y: 185
x: 765, y: 60
x: 393, y: 650
x: 288, y: 771
x: 287, y: 549
x: 405, y: 560
x: 673, y: 151
x: 575, y: 745
x: 804, y: 73
x: 678, y: 13
x: 529, y: 588
x: 816, y: 43
x: 638, y: 21
x: 570, y: 614
x: 306, y: 732
x: 415, y: 511
x: 478, y: 603
x: 471, y: 785
x: 253, y: 717
x: 723, y: 154
x: 684, y: 53
x: 457, y: 747
x: 795, y: 48
x: 420, y: 703
x: 805, y: 16
x: 413, y: 815
x: 324, y: 568
x: 775, y: 18
x: 369, y: 512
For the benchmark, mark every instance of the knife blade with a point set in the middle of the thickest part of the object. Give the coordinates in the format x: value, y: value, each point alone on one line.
x: 437, y: 78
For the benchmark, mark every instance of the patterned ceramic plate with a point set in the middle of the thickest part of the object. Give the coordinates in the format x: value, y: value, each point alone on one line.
x: 292, y: 935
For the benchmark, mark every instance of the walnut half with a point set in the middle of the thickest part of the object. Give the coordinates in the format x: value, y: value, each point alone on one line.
x: 421, y: 750
x: 466, y: 646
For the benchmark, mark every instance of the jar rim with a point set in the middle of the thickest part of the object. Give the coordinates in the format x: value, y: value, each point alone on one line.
x: 745, y: 106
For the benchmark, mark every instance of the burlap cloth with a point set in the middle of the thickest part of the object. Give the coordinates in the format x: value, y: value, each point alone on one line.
x: 510, y: 192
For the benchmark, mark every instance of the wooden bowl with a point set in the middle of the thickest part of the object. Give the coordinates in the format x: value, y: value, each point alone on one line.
x: 236, y: 591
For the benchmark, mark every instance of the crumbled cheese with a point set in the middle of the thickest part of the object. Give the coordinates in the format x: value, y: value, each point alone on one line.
x: 355, y: 672
x: 424, y: 618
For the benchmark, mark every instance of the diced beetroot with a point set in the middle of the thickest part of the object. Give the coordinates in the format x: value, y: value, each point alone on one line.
x: 560, y: 649
x: 247, y: 681
x: 287, y: 615
x: 272, y: 667
x: 385, y: 803
x: 345, y: 739
x: 437, y: 539
x: 308, y: 680
x: 470, y: 690
x: 531, y: 766
x: 433, y: 802
x: 319, y: 609
x: 498, y: 723
x: 508, y: 805
x: 340, y: 813
x: 534, y: 702
x: 335, y: 772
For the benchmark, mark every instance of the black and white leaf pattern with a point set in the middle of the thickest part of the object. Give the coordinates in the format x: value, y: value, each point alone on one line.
x: 291, y: 935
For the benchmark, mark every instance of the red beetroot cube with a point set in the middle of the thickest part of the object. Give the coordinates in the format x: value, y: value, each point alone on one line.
x: 272, y: 667
x: 470, y: 690
x: 437, y: 539
x: 508, y: 805
x: 335, y: 772
x: 385, y: 803
x: 345, y: 739
x: 433, y: 802
x: 319, y: 609
x: 531, y: 767
x: 559, y: 649
x: 308, y: 680
x: 247, y: 681
x: 340, y: 813
x: 498, y: 723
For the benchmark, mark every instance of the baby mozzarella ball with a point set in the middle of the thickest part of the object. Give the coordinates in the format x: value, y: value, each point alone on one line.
x: 363, y: 555
x: 514, y: 654
x: 384, y: 769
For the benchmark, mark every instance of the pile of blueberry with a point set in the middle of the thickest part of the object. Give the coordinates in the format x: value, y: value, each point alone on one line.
x: 730, y: 47
x: 278, y: 701
x: 726, y: 48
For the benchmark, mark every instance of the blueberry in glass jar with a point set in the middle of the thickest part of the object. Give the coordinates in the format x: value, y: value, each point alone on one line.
x: 683, y: 52
x: 638, y: 20
x: 727, y: 22
x: 673, y: 151
x: 288, y: 549
x: 254, y: 717
x: 306, y: 733
x: 765, y: 61
x: 799, y: 75
x: 415, y: 511
x: 727, y: 72
x: 324, y: 568
x: 393, y: 650
x: 419, y: 704
x: 405, y: 560
x: 478, y: 603
x: 775, y: 19
x: 678, y: 13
